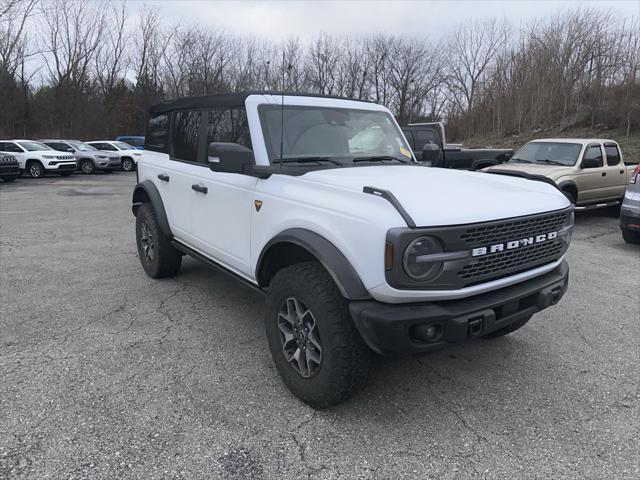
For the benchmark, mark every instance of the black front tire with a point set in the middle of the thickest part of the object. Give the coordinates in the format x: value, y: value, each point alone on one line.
x: 508, y: 329
x: 631, y: 236
x: 127, y: 164
x: 87, y: 167
x: 345, y: 359
x: 36, y: 170
x: 158, y: 257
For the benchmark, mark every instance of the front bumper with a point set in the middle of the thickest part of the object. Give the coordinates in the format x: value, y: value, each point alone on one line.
x: 390, y: 328
x: 61, y: 166
x: 108, y: 164
x: 8, y: 170
x: 630, y: 220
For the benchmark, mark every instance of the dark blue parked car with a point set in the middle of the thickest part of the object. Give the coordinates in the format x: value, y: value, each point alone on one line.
x: 137, y: 142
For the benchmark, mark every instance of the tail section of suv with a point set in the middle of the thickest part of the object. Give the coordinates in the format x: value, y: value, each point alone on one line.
x: 127, y: 154
x: 37, y: 159
x: 319, y: 204
x: 89, y: 159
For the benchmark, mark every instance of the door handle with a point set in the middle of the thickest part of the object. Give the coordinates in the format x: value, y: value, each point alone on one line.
x: 604, y: 174
x: 199, y: 188
x: 163, y: 177
x: 621, y: 171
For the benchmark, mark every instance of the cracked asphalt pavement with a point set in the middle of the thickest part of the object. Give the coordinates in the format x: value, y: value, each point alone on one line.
x: 106, y: 373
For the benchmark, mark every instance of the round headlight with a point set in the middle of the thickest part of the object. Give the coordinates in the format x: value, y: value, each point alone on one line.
x: 416, y: 265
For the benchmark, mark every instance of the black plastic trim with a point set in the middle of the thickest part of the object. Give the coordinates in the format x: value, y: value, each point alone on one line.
x: 390, y: 197
x: 328, y: 255
x: 156, y: 201
x: 528, y: 176
x: 387, y: 328
x: 213, y: 264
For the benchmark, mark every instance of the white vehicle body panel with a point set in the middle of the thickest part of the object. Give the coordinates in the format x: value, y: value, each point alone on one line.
x: 225, y: 226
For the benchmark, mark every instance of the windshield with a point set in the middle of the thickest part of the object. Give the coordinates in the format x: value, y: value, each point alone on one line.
x: 122, y: 146
x: 135, y: 141
x: 548, y: 153
x: 337, y: 135
x: 82, y: 147
x: 30, y: 146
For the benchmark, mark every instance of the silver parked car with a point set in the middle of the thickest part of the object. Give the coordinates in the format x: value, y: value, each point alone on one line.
x: 89, y: 158
x: 630, y: 210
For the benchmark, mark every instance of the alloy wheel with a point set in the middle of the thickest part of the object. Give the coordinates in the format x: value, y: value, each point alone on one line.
x: 87, y: 167
x: 299, y: 337
x: 35, y: 170
x: 147, y: 242
x: 127, y: 165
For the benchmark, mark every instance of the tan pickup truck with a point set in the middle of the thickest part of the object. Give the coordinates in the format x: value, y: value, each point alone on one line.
x: 591, y: 172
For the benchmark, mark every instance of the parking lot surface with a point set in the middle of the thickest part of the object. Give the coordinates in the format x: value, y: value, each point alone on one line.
x: 106, y: 373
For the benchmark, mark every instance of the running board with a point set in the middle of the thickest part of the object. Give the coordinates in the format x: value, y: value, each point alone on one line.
x: 598, y: 205
x: 215, y: 265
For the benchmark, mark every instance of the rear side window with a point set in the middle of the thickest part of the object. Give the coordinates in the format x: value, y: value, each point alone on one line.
x: 228, y: 125
x: 425, y: 136
x: 10, y: 147
x: 593, y: 152
x: 185, y: 136
x: 157, y: 132
x: 613, y: 154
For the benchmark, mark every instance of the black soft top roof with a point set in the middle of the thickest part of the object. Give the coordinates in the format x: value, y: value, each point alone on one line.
x: 228, y: 100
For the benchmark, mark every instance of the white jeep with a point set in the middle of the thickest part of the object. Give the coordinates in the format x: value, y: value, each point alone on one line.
x: 318, y: 203
x: 37, y: 159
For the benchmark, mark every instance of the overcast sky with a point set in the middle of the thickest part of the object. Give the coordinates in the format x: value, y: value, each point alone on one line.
x: 282, y: 19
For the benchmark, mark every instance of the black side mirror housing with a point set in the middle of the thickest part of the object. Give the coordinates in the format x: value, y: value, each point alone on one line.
x: 432, y: 153
x: 230, y: 158
x: 591, y: 163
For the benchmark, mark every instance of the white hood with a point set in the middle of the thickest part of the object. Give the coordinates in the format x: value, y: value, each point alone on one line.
x: 438, y: 196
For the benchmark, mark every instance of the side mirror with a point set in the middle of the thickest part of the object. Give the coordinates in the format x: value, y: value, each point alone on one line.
x: 229, y: 158
x: 591, y: 163
x: 432, y: 153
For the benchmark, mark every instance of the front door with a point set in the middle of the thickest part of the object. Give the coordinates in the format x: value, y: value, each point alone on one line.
x: 589, y: 180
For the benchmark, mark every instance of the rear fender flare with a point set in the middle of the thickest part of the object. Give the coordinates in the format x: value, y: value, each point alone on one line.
x: 147, y: 192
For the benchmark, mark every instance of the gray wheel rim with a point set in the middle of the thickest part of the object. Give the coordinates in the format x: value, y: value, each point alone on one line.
x: 127, y: 165
x: 35, y: 170
x: 299, y: 337
x: 86, y: 167
x: 147, y: 242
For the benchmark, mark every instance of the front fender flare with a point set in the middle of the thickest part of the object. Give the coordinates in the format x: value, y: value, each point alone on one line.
x: 147, y: 192
x: 331, y: 258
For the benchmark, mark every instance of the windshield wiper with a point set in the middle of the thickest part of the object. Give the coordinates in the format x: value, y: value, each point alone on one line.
x: 520, y: 160
x: 552, y: 162
x: 306, y: 159
x: 379, y: 158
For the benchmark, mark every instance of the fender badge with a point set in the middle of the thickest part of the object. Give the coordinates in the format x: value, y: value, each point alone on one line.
x: 258, y: 204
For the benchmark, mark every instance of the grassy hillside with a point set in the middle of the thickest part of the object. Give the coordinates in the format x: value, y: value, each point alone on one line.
x: 630, y: 147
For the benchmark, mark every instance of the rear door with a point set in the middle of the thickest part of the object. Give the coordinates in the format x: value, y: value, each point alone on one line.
x: 616, y: 171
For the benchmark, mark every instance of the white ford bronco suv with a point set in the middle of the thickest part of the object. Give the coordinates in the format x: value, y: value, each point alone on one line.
x: 318, y: 203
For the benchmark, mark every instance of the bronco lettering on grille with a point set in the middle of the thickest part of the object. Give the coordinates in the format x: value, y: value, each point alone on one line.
x: 513, y: 244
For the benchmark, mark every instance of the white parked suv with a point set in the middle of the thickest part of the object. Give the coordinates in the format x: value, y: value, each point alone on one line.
x: 37, y: 159
x: 128, y: 155
x: 318, y: 203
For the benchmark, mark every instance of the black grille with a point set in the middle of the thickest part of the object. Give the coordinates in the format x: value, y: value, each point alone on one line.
x: 67, y: 167
x: 8, y: 160
x: 512, y: 261
x: 513, y: 230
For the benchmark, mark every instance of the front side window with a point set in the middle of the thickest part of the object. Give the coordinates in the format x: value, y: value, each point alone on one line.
x: 123, y: 146
x: 60, y: 147
x: 338, y: 135
x: 185, y: 136
x: 228, y: 125
x: 613, y: 155
x: 30, y: 146
x: 594, y: 153
x: 82, y: 147
x: 157, y: 132
x: 550, y: 153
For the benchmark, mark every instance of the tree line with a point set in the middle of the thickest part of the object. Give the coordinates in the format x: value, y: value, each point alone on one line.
x: 80, y: 69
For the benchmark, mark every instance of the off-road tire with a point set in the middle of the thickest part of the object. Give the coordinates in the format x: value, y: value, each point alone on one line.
x: 127, y: 164
x: 508, y: 329
x: 166, y: 260
x: 344, y: 367
x: 570, y: 195
x: 631, y: 236
x: 9, y: 178
x: 35, y: 169
x: 87, y: 167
